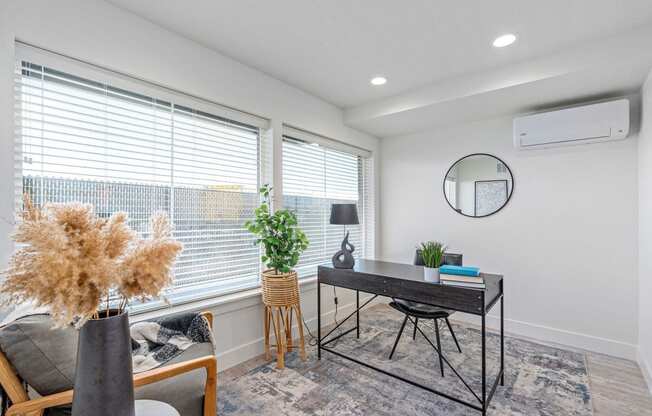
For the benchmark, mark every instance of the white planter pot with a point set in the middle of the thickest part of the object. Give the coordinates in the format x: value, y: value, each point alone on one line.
x: 431, y: 274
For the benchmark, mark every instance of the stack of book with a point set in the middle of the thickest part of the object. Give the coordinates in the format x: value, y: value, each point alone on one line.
x: 461, y: 276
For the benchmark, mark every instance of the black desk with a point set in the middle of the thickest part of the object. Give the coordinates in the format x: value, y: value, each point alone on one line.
x: 405, y: 281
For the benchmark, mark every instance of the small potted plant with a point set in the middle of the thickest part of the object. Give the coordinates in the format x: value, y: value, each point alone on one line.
x: 432, y: 253
x: 282, y: 240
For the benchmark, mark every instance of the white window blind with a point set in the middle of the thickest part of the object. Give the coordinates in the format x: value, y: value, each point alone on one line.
x: 316, y: 176
x: 79, y: 139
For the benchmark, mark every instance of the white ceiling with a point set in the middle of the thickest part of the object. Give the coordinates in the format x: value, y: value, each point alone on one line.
x: 332, y: 48
x: 600, y: 69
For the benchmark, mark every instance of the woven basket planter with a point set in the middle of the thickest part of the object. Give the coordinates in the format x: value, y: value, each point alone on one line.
x: 280, y: 289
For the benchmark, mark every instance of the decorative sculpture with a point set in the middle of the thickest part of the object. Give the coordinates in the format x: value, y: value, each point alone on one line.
x: 343, y: 259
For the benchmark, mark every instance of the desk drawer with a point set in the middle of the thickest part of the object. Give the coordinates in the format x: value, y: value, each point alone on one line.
x: 449, y: 297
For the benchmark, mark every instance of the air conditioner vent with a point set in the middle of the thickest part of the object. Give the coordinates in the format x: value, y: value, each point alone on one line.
x: 592, y: 123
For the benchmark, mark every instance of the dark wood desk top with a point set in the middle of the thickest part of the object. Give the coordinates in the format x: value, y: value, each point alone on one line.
x: 406, y: 281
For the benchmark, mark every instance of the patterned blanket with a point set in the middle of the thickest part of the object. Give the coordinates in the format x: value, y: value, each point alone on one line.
x: 156, y: 342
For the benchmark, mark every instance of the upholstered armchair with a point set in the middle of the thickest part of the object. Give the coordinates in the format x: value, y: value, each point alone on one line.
x: 36, y: 356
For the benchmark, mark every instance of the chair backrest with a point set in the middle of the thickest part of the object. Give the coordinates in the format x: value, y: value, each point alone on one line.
x: 451, y: 259
x: 42, y: 356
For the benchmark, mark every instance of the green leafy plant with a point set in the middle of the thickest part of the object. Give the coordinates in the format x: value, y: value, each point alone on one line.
x: 432, y: 253
x: 279, y: 234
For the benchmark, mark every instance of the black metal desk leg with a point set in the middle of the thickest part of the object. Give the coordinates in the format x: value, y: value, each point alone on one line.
x: 357, y: 313
x: 484, y: 366
x: 502, y: 340
x: 318, y: 321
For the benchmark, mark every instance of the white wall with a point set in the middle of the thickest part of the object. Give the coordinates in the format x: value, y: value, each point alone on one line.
x: 566, y: 242
x: 99, y: 33
x: 645, y: 233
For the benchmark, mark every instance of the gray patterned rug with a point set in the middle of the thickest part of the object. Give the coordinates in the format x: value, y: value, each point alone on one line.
x: 540, y: 380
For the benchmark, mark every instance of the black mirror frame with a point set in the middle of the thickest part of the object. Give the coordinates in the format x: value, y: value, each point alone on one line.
x: 478, y: 154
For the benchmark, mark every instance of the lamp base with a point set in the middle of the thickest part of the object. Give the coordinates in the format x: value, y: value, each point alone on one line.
x: 343, y: 259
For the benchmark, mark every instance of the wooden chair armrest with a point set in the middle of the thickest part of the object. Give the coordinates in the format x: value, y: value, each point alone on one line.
x: 209, y: 318
x: 35, y: 405
x: 208, y: 362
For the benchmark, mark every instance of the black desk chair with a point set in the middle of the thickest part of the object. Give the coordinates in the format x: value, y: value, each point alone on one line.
x: 423, y: 311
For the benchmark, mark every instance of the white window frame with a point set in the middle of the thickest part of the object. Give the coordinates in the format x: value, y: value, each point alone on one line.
x: 366, y: 184
x: 35, y: 55
x: 270, y: 159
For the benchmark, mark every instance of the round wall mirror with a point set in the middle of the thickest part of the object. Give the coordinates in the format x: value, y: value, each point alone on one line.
x: 478, y: 185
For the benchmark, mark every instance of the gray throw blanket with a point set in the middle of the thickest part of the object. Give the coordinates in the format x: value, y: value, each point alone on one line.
x: 156, y: 342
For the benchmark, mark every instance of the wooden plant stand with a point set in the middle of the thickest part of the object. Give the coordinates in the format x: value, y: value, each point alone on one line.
x: 281, y: 300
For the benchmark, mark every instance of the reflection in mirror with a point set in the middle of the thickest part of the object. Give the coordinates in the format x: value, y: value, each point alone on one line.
x: 478, y: 185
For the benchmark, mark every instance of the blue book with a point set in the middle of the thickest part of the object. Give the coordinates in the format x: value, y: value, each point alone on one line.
x: 460, y: 270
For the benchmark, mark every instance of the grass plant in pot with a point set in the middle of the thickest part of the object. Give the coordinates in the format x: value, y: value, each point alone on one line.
x: 85, y: 270
x: 283, y: 242
x: 432, y: 253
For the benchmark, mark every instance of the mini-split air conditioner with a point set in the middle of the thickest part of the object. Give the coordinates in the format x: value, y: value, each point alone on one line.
x: 593, y: 123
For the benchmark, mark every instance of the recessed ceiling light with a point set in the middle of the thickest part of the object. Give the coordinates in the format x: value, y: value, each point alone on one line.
x: 378, y: 81
x: 505, y: 40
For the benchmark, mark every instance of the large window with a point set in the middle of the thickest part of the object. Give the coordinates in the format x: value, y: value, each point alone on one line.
x: 87, y: 134
x: 84, y: 139
x: 316, y: 176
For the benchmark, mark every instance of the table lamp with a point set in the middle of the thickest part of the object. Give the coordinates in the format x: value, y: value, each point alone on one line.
x: 344, y: 214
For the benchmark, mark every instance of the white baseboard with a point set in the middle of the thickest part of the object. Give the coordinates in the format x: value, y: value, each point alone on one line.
x: 538, y: 333
x: 241, y: 353
x: 559, y: 337
x: 646, y: 369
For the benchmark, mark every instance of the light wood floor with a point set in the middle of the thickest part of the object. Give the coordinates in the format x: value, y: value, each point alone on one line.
x: 617, y: 386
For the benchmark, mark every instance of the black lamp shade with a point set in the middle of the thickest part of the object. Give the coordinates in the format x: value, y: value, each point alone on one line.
x: 344, y: 214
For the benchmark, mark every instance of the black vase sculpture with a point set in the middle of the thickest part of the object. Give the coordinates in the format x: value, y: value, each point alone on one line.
x: 343, y: 259
x: 104, y: 383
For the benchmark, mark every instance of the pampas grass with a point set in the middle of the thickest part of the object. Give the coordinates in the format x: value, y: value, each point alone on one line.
x: 71, y: 261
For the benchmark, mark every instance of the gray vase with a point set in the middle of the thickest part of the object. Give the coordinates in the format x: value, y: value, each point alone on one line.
x: 104, y: 383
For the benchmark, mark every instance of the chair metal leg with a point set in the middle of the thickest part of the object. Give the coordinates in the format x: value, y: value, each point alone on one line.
x: 416, y: 323
x: 450, y: 328
x: 398, y: 337
x: 441, y: 361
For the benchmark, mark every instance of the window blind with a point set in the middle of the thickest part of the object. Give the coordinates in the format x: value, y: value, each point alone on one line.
x: 79, y: 139
x: 316, y: 176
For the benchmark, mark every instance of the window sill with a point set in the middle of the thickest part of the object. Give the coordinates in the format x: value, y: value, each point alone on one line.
x: 222, y: 303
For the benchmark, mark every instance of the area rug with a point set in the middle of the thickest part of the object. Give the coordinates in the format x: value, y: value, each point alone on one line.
x: 539, y: 380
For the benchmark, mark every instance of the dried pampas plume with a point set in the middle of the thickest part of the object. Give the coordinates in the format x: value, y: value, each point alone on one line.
x: 72, y: 262
x: 146, y: 270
